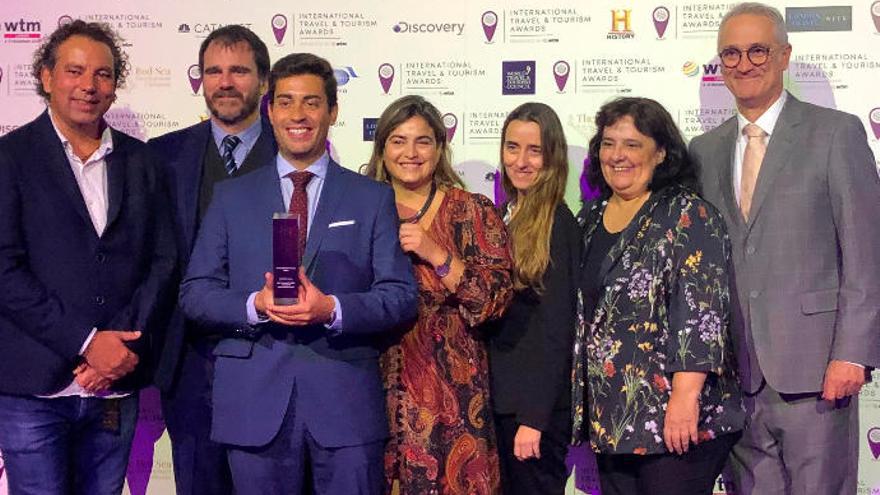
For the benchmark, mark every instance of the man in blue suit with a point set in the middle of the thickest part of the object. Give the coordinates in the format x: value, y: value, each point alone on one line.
x: 297, y: 388
x: 87, y: 258
x: 234, y: 141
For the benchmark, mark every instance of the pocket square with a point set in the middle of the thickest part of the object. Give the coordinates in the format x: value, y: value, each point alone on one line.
x: 341, y: 223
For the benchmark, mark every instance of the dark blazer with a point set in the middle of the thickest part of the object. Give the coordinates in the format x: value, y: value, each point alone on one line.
x: 181, y: 155
x: 807, y: 264
x: 353, y: 253
x: 58, y: 279
x: 530, y: 346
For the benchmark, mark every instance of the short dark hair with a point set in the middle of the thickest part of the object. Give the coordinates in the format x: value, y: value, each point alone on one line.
x: 229, y: 35
x: 297, y: 64
x: 47, y: 55
x: 652, y: 120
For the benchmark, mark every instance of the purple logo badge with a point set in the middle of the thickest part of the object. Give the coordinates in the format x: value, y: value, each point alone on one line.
x: 490, y: 22
x: 661, y: 20
x: 370, y: 128
x: 279, y: 27
x: 65, y: 19
x: 874, y: 441
x: 195, y: 77
x: 874, y: 117
x: 518, y: 77
x: 561, y: 70
x: 450, y: 122
x: 875, y: 13
x: 386, y: 76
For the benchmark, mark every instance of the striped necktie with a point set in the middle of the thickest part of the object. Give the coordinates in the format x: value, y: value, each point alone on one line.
x: 229, y: 144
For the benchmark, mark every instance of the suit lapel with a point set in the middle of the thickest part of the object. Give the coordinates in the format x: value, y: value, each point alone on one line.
x: 116, y: 163
x: 50, y: 151
x: 779, y: 153
x: 191, y: 160
x: 263, y: 151
x: 726, y: 176
x: 331, y: 194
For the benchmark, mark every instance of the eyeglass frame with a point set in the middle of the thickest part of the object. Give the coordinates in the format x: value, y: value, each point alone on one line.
x: 748, y: 52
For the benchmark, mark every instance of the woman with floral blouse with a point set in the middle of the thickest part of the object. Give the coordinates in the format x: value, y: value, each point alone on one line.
x: 654, y: 384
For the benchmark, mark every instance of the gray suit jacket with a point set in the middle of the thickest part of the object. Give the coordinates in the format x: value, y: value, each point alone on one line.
x: 806, y: 268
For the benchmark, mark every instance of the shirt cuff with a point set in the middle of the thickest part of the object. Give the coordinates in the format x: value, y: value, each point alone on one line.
x: 252, y: 316
x: 335, y: 326
x: 855, y: 364
x: 82, y: 350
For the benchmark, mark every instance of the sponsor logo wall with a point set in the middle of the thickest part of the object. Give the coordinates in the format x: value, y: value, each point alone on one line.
x: 476, y: 60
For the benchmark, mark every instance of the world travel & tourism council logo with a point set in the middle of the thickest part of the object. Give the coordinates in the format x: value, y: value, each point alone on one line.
x: 518, y: 77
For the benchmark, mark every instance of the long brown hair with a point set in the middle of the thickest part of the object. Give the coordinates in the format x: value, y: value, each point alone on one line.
x: 399, y: 112
x: 530, y: 227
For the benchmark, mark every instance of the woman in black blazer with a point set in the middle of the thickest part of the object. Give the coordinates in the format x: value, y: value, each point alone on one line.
x: 530, y: 347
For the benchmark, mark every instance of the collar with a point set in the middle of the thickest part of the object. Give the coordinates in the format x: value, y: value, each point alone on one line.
x: 767, y: 120
x: 318, y: 167
x: 104, y: 149
x: 251, y: 133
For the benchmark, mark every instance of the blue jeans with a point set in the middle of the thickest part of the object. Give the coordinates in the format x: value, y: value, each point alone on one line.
x: 65, y: 445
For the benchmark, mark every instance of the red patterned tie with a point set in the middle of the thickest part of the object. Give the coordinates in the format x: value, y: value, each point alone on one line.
x: 299, y: 205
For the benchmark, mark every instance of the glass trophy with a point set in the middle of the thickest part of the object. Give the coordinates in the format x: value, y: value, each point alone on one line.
x: 285, y: 258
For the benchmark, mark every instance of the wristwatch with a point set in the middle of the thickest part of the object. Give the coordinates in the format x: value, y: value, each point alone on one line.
x: 443, y: 270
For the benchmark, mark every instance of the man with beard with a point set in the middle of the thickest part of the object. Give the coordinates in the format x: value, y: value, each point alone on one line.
x: 235, y: 65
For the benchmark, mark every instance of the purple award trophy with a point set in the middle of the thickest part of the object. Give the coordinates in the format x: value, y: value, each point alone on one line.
x: 285, y: 258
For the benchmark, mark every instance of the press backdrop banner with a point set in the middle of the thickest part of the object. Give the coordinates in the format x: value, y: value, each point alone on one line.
x: 476, y: 60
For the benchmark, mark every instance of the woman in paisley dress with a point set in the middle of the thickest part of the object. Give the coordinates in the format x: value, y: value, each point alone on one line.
x: 654, y: 383
x: 436, y: 374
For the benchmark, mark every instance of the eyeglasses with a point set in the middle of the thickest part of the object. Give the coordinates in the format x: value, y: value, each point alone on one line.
x: 757, y: 54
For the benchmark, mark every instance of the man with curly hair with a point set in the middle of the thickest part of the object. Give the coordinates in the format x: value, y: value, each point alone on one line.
x: 87, y: 255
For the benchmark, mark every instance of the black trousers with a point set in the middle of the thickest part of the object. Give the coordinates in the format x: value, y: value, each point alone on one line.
x: 200, y: 464
x: 693, y: 473
x: 544, y: 476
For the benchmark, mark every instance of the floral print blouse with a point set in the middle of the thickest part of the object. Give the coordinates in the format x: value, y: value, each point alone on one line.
x: 665, y: 308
